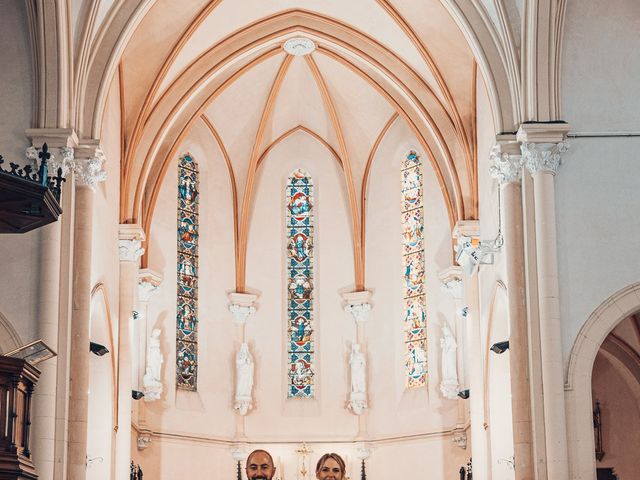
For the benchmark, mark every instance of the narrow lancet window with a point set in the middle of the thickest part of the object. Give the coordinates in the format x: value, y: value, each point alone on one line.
x: 414, y: 300
x: 300, y: 283
x: 187, y: 268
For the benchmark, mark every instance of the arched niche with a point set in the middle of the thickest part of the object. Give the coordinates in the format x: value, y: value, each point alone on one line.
x: 9, y: 338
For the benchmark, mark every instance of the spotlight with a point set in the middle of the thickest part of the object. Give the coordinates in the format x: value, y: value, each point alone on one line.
x: 136, y: 394
x: 500, y: 347
x: 98, y: 349
x: 464, y: 394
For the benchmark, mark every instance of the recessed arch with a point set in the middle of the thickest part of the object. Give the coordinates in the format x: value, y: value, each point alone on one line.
x: 578, y: 394
x: 9, y: 337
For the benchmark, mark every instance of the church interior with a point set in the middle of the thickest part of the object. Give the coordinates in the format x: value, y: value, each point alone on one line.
x: 394, y: 230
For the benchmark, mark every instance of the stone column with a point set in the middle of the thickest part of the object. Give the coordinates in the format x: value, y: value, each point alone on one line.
x: 470, y: 229
x: 507, y: 169
x: 130, y: 249
x: 148, y: 285
x: 242, y: 307
x: 43, y: 436
x: 88, y: 172
x: 542, y: 147
x: 358, y: 306
x: 451, y: 279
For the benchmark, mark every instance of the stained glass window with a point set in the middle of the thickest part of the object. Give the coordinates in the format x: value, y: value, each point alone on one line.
x: 187, y: 311
x: 299, y: 197
x: 414, y: 300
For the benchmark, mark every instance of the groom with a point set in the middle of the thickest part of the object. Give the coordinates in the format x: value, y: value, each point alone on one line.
x: 260, y: 465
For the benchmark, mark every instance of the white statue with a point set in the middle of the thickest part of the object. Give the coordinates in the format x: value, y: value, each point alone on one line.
x: 151, y: 380
x: 244, y: 379
x: 358, y: 397
x: 449, y: 383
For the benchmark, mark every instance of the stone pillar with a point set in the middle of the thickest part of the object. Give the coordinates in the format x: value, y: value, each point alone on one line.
x: 60, y: 143
x: 470, y: 229
x: 242, y: 307
x: 507, y: 169
x: 451, y: 279
x: 542, y: 147
x: 358, y: 306
x: 88, y: 172
x: 130, y: 249
x: 148, y: 284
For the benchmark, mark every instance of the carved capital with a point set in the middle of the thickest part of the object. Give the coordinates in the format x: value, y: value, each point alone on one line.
x: 130, y: 243
x: 506, y: 166
x: 543, y: 157
x: 60, y: 158
x: 241, y: 306
x: 89, y: 164
x: 542, y: 145
x: 358, y: 305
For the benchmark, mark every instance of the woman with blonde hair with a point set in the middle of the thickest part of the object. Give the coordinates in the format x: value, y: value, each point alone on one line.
x: 331, y: 466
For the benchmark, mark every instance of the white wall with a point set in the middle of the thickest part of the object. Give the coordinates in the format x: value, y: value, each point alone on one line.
x: 596, y: 194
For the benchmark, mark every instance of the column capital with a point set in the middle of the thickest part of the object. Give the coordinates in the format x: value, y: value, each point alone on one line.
x: 542, y: 145
x: 89, y: 162
x: 148, y: 283
x: 61, y: 142
x: 451, y: 279
x: 358, y: 305
x: 506, y: 159
x: 130, y: 242
x: 241, y: 306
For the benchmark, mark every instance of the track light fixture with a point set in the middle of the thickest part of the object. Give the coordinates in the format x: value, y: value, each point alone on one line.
x: 98, y: 349
x: 136, y: 394
x: 464, y: 394
x: 500, y: 347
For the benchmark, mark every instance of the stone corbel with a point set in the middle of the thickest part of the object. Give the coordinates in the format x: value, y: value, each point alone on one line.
x: 459, y: 434
x: 144, y: 438
x: 358, y: 305
x: 451, y: 279
x: 148, y: 284
x: 241, y: 306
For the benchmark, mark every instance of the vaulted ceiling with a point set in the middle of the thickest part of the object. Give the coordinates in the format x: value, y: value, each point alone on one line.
x: 221, y: 63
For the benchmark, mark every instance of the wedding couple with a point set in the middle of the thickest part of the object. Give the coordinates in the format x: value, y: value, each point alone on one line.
x: 260, y: 466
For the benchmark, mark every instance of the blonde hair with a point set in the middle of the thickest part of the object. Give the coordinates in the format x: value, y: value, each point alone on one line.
x: 333, y: 456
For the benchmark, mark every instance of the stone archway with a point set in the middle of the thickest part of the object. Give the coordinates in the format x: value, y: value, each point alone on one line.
x: 578, y: 396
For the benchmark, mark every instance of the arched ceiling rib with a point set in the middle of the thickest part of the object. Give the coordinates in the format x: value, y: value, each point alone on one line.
x: 293, y: 19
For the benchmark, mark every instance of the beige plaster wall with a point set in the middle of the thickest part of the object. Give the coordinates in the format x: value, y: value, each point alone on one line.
x: 617, y: 391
